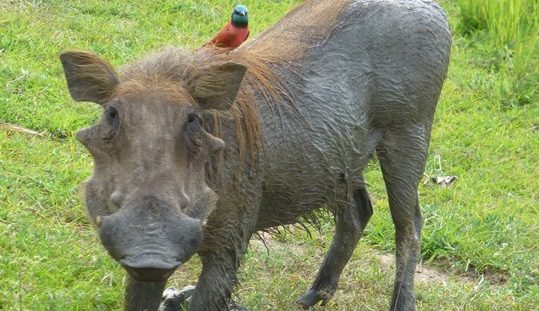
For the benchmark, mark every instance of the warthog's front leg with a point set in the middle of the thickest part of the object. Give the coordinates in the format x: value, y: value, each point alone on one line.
x: 216, y: 281
x: 141, y: 296
x: 351, y: 220
x: 226, y: 237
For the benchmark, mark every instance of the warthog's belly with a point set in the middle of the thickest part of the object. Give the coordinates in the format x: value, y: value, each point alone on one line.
x: 314, y: 161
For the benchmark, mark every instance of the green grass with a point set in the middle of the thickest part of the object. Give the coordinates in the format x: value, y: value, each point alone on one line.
x: 512, y: 27
x: 481, y: 232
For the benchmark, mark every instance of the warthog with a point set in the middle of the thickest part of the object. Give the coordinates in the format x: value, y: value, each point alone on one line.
x: 198, y: 150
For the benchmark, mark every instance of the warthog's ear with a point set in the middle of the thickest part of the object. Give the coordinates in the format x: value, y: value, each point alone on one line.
x: 89, y: 78
x: 216, y: 86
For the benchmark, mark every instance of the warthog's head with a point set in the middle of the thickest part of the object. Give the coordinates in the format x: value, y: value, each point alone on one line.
x: 148, y: 196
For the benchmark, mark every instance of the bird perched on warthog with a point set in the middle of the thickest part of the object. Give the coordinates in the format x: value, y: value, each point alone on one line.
x: 235, y: 32
x: 196, y: 152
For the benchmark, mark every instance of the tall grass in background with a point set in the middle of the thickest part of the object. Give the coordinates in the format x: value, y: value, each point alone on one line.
x: 512, y: 26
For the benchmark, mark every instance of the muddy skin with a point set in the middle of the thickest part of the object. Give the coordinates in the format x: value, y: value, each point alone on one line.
x: 196, y: 151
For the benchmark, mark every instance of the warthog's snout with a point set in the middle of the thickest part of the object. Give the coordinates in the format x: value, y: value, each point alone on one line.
x: 150, y: 238
x: 150, y: 267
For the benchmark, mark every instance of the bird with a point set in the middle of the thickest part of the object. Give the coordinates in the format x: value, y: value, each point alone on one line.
x: 235, y: 32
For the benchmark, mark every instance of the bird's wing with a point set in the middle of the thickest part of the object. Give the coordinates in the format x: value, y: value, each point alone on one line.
x: 223, y: 36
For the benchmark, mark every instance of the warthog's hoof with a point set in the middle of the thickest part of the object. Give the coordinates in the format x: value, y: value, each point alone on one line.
x: 236, y: 307
x: 176, y: 300
x: 314, y: 296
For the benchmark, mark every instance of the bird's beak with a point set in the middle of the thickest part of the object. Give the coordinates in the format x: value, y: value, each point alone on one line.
x: 242, y: 13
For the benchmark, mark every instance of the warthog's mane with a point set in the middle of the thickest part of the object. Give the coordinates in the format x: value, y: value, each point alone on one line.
x: 283, y: 45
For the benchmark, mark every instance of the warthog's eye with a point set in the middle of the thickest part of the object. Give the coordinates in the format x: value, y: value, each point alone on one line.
x: 113, y: 118
x: 192, y: 132
x: 193, y: 125
x: 112, y: 114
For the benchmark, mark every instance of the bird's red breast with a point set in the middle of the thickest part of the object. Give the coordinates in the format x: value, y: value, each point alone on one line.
x: 230, y: 36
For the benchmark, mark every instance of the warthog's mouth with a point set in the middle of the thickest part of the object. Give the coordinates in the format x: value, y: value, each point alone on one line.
x: 150, y: 267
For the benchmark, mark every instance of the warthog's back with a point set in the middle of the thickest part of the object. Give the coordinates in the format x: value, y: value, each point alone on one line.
x: 380, y: 64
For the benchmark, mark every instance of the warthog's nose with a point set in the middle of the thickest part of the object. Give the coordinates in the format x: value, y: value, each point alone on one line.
x: 150, y: 238
x: 149, y: 269
x: 149, y: 274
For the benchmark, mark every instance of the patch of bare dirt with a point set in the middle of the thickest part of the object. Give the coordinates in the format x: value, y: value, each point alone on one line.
x: 422, y: 273
x: 440, y: 273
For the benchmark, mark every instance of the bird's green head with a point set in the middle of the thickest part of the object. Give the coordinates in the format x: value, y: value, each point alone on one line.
x: 240, y: 16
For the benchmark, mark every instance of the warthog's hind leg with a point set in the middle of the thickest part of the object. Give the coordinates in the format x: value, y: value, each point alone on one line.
x: 351, y: 219
x: 402, y: 154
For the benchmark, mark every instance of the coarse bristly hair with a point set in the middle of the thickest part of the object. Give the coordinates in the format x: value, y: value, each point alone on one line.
x: 282, y: 45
